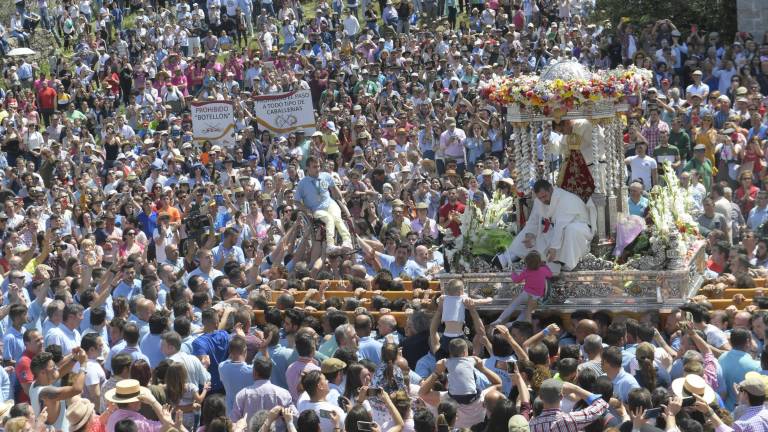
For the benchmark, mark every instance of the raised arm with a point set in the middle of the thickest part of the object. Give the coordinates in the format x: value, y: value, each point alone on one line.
x: 519, y: 351
x: 551, y: 329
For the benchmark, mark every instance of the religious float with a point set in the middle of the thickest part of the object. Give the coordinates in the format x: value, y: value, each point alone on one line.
x: 636, y: 264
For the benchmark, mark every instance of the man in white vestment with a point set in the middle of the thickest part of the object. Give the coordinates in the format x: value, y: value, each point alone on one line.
x: 558, y: 228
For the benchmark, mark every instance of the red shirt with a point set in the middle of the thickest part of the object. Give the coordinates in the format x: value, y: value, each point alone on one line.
x: 24, y: 374
x: 445, y: 211
x: 47, y: 98
x: 715, y: 267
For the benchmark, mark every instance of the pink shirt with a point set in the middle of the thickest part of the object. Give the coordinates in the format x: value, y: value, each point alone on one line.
x: 294, y: 372
x: 535, y: 280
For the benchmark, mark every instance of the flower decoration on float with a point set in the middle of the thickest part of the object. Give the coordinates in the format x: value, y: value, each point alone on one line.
x: 558, y: 95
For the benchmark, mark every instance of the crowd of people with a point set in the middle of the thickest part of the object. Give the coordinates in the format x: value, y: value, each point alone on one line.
x: 152, y: 281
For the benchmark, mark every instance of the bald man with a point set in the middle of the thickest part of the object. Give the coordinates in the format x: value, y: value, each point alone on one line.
x: 368, y: 348
x: 585, y: 328
x: 742, y: 319
x: 144, y: 310
x: 492, y: 398
x: 402, y: 363
x: 387, y: 329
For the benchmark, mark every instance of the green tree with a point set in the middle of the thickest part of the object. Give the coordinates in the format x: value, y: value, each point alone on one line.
x: 708, y: 15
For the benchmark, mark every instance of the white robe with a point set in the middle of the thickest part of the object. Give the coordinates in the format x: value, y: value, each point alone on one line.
x: 569, y: 233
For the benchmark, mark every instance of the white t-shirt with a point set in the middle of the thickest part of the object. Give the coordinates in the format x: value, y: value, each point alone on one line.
x: 641, y: 168
x: 466, y: 415
x: 160, y: 248
x: 94, y: 374
x: 701, y: 90
x: 326, y: 424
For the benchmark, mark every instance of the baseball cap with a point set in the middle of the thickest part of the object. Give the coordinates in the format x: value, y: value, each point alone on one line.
x: 518, y: 423
x: 753, y: 385
x: 332, y: 365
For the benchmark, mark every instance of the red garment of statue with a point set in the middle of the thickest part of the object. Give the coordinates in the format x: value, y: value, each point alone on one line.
x: 575, y: 176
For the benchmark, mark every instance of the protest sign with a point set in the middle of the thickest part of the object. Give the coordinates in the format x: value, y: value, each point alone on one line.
x: 214, y: 121
x: 285, y: 112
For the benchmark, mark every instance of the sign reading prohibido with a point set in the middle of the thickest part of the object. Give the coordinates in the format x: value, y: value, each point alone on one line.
x: 214, y: 121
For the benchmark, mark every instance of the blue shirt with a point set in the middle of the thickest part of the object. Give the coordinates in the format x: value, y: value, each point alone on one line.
x: 627, y: 355
x: 638, y: 209
x: 150, y: 347
x: 280, y: 357
x: 756, y: 217
x: 86, y: 322
x: 186, y: 344
x: 126, y: 290
x: 221, y: 220
x: 761, y: 132
x: 735, y: 365
x: 369, y: 348
x: 313, y: 192
x: 506, y: 381
x: 135, y: 353
x: 115, y: 350
x: 235, y: 376
x: 148, y: 223
x: 623, y: 384
x: 36, y: 315
x: 216, y: 346
x: 64, y: 337
x: 220, y: 252
x: 414, y: 270
x: 388, y: 262
x: 426, y: 365
x: 5, y: 385
x: 13, y: 344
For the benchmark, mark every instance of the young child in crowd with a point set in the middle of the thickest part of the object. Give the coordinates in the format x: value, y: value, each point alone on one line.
x: 453, y: 310
x: 462, y: 385
x: 183, y: 394
x: 535, y: 277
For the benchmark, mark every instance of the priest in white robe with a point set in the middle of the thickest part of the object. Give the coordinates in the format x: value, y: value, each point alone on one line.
x: 558, y: 228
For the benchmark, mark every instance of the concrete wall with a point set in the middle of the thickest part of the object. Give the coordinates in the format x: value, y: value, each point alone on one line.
x: 752, y: 16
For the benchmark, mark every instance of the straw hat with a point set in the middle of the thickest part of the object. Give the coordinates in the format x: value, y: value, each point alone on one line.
x: 693, y: 384
x: 5, y: 407
x: 79, y: 412
x: 749, y: 375
x: 126, y: 391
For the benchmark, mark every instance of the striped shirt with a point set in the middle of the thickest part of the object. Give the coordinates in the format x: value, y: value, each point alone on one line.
x: 555, y: 420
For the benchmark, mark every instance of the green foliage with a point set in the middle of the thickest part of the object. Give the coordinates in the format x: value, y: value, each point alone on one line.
x: 708, y: 15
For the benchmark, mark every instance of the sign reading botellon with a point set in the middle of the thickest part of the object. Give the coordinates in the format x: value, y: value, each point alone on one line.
x: 214, y: 121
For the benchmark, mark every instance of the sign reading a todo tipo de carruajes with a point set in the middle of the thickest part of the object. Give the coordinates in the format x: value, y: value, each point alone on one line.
x: 285, y: 112
x: 214, y: 121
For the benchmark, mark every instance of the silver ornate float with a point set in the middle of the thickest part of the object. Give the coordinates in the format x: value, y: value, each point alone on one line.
x: 670, y: 273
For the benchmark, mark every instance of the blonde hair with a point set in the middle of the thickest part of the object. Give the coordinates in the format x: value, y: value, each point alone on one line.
x: 16, y: 424
x: 645, y: 354
x: 455, y: 288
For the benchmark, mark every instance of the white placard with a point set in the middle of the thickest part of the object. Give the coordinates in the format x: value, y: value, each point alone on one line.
x: 285, y: 112
x: 214, y: 121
